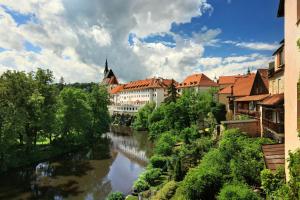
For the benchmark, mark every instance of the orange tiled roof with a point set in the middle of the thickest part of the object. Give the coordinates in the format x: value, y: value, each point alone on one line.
x: 243, y: 85
x: 224, y: 80
x: 274, y: 99
x: 253, y: 97
x: 226, y: 90
x: 197, y: 80
x: 273, y: 155
x: 116, y: 89
x: 143, y: 84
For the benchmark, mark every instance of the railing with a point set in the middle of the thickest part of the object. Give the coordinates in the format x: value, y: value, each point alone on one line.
x: 252, y: 113
x: 276, y: 127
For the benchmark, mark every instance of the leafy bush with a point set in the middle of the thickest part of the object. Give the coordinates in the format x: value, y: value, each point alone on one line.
x: 140, y: 185
x: 165, y: 144
x: 158, y: 161
x: 208, y: 176
x: 294, y: 169
x: 151, y: 175
x: 115, y: 196
x: 141, y: 120
x: 166, y: 192
x: 270, y: 181
x: 237, y: 191
x: 238, y: 158
x: 157, y: 128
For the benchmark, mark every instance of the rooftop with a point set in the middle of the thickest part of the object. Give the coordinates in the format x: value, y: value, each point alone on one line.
x: 273, y: 100
x: 253, y: 98
x: 273, y: 155
x: 143, y: 84
x: 224, y: 80
x: 197, y: 80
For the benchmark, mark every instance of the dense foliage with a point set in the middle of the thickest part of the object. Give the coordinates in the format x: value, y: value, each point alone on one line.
x: 191, y: 108
x: 237, y: 191
x: 274, y: 184
x: 115, y: 196
x: 35, y: 110
x: 238, y: 158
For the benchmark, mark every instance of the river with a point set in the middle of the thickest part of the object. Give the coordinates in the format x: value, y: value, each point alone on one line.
x: 112, y: 165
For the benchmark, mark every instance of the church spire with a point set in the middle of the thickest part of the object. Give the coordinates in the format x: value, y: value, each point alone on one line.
x: 106, y: 67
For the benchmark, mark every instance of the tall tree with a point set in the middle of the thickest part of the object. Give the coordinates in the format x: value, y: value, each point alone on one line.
x: 98, y: 101
x: 172, y: 93
x: 74, y: 112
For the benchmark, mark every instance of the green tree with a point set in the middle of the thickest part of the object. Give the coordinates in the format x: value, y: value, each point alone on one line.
x: 74, y: 112
x: 172, y: 93
x: 99, y: 100
x: 141, y: 118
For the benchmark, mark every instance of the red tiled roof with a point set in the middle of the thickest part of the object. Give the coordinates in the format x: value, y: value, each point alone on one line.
x: 264, y: 75
x: 273, y: 155
x: 243, y: 85
x: 226, y: 90
x: 224, y: 80
x: 197, y: 80
x: 147, y: 83
x: 274, y: 99
x: 116, y: 89
x: 253, y: 97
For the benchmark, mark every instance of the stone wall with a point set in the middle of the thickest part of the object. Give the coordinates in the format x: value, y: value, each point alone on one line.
x: 251, y: 126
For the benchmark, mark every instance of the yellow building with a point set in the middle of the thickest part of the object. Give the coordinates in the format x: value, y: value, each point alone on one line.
x: 290, y: 9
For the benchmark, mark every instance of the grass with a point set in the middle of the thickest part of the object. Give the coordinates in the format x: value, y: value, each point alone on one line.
x: 130, y: 197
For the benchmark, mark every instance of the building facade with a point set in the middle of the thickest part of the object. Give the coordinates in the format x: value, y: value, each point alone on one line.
x: 130, y: 97
x: 272, y: 108
x: 196, y: 82
x: 246, y: 94
x: 290, y: 10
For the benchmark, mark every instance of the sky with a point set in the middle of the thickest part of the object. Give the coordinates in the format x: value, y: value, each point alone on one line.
x: 140, y: 39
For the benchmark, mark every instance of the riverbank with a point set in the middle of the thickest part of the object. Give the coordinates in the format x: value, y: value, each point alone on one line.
x: 109, y: 165
x: 19, y: 157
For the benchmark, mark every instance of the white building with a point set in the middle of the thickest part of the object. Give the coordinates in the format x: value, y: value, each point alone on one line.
x: 130, y: 97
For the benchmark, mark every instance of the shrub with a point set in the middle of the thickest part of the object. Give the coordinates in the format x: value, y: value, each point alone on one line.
x: 166, y: 192
x: 140, y: 185
x: 151, y: 175
x: 115, y: 196
x: 237, y: 191
x: 208, y: 176
x: 157, y: 128
x: 270, y: 181
x: 165, y: 144
x: 157, y: 161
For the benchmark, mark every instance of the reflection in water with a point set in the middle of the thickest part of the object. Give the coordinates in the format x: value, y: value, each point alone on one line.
x: 111, y: 165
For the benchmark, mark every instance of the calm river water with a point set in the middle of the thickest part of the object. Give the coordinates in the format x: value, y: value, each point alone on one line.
x: 91, y: 174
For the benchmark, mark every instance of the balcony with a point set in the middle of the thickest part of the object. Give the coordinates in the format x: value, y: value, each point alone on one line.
x: 276, y: 127
x: 252, y: 113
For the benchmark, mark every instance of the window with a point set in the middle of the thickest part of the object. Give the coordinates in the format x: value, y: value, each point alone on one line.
x: 281, y: 58
x: 278, y: 86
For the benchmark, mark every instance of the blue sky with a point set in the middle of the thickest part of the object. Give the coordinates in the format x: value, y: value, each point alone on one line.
x: 171, y: 38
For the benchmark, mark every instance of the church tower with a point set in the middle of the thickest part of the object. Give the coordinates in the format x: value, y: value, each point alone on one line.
x: 106, y: 68
x: 109, y: 77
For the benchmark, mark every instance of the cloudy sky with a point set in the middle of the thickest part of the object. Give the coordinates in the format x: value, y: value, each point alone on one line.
x: 166, y: 38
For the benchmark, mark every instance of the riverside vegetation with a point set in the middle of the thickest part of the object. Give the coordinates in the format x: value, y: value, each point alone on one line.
x: 191, y: 161
x: 40, y: 119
